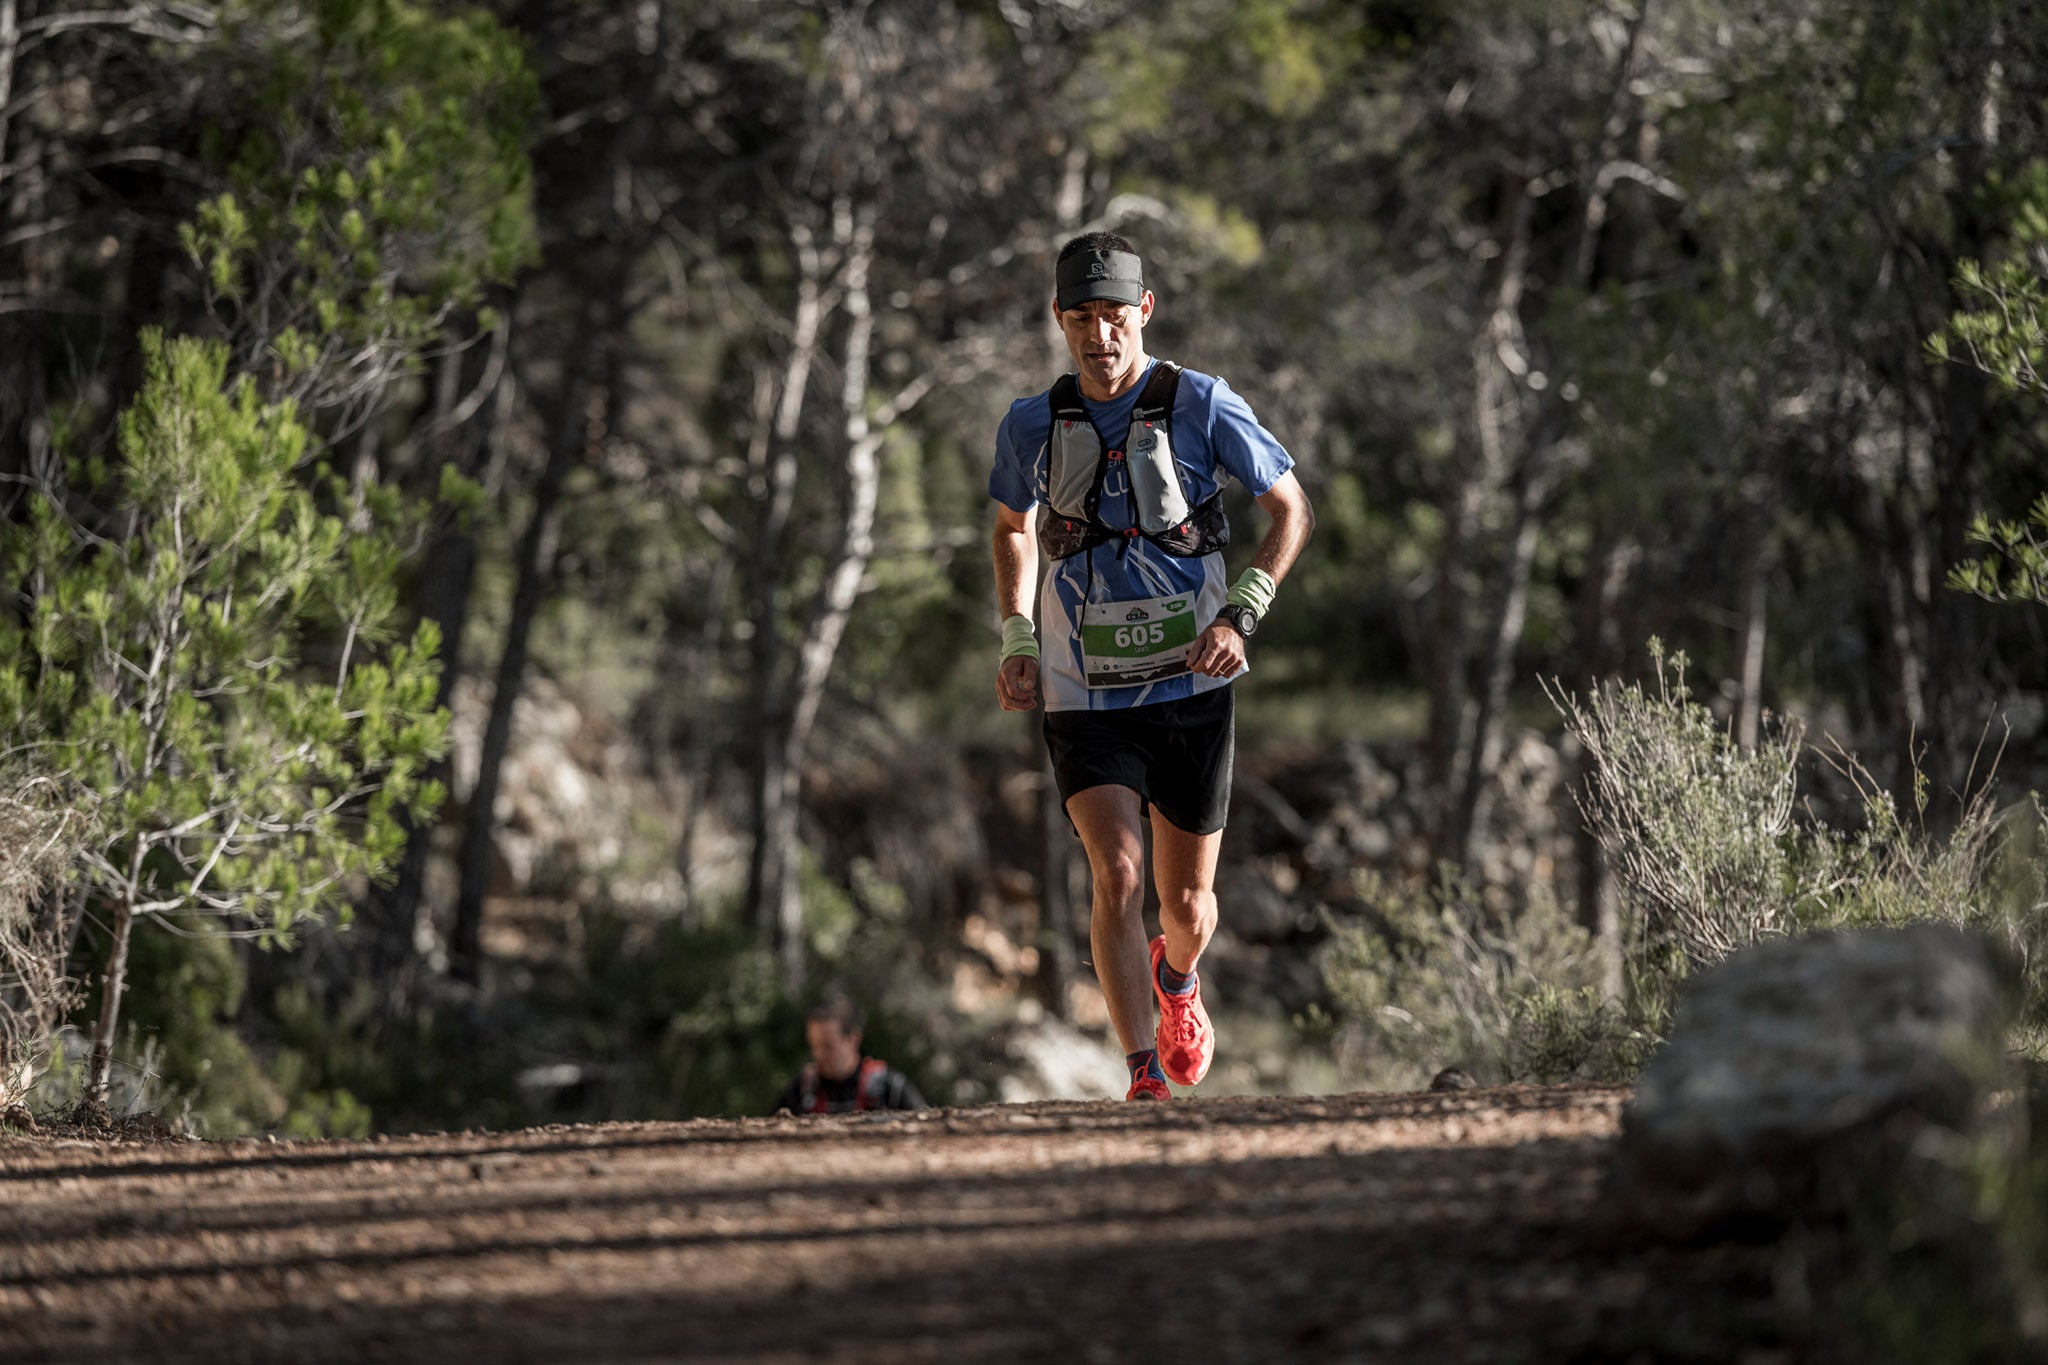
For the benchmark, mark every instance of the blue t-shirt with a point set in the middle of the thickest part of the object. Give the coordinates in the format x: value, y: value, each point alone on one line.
x: 1215, y: 439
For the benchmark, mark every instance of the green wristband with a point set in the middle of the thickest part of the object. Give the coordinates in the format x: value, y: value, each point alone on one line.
x: 1254, y: 588
x: 1018, y: 641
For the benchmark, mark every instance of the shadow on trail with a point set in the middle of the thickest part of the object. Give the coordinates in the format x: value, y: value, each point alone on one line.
x: 1265, y: 1190
x: 1076, y: 1116
x: 948, y: 1236
x: 1316, y: 1284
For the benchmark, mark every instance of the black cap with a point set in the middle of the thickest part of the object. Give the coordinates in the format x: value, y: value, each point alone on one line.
x: 1114, y: 275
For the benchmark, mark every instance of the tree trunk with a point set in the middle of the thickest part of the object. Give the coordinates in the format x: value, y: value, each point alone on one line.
x: 461, y: 431
x: 1962, y: 449
x: 1061, y: 887
x: 1462, y: 747
x: 825, y: 628
x: 1483, y: 754
x: 112, y: 985
x: 1602, y: 653
x: 1598, y: 896
x: 598, y: 264
x: 772, y: 863
x: 1482, y: 750
x: 1750, y: 701
x: 24, y: 428
x: 534, y: 565
x: 1445, y: 684
x: 10, y: 48
x: 696, y: 659
x: 1477, y: 470
x: 1898, y: 537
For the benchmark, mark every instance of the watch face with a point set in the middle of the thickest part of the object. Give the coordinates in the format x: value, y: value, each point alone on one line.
x: 1243, y: 618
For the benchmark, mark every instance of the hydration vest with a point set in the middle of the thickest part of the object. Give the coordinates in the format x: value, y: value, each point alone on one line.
x: 867, y: 1090
x: 1078, y: 464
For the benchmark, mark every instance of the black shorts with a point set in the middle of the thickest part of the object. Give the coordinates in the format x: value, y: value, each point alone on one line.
x: 1176, y: 755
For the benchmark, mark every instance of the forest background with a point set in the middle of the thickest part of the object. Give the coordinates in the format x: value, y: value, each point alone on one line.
x: 499, y: 613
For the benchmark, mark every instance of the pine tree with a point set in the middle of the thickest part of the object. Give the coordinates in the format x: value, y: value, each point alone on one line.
x: 208, y: 643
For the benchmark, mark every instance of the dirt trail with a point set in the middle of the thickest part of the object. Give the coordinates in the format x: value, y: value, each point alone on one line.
x: 1412, y: 1227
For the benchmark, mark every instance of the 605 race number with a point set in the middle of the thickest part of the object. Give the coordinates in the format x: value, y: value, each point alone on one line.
x: 1129, y: 637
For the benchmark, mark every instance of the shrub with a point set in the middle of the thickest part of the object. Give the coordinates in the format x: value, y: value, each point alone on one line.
x: 198, y: 1048
x: 1988, y: 875
x: 1707, y: 856
x: 1427, y: 979
x: 1697, y: 831
x: 43, y: 826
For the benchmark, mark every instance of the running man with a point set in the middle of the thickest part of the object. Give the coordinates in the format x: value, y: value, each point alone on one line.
x: 1112, y: 477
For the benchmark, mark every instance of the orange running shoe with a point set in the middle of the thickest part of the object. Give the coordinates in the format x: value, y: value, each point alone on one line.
x: 1144, y: 1087
x: 1186, y: 1041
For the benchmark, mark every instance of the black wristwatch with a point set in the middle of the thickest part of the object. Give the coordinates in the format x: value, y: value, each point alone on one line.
x: 1243, y: 620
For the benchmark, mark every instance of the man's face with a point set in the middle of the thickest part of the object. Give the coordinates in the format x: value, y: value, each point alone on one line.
x: 1107, y: 342
x: 836, y: 1052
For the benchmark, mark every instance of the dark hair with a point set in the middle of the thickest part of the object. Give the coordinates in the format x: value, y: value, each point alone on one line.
x: 1095, y: 241
x: 840, y: 1009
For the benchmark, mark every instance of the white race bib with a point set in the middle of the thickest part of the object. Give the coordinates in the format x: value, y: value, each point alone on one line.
x: 1125, y: 643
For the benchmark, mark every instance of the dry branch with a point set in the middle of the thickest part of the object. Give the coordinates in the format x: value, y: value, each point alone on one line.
x: 41, y: 832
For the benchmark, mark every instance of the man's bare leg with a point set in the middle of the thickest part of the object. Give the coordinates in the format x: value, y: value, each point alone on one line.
x: 1109, y: 821
x: 1184, y: 870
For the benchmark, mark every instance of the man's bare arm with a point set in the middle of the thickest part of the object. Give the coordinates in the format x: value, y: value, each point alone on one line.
x: 1219, y: 650
x: 1286, y: 502
x: 1015, y: 552
x: 1016, y: 557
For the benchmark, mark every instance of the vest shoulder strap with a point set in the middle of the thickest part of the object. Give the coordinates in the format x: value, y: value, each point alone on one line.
x: 874, y: 1074
x: 1066, y: 400
x: 1155, y: 404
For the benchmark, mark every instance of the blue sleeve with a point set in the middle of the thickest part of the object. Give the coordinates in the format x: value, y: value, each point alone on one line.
x: 1250, y: 453
x: 1020, y: 442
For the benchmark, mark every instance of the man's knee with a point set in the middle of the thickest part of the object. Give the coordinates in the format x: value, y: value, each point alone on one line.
x: 1119, y: 881
x: 1189, y: 908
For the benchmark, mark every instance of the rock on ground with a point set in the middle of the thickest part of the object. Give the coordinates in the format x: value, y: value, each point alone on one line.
x: 1802, y: 1072
x: 1056, y: 1061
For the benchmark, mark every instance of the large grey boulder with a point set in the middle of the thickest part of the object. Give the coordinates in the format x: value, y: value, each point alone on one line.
x: 1805, y: 1074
